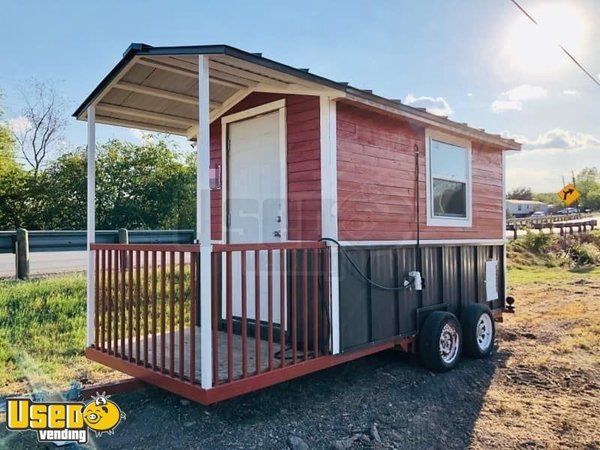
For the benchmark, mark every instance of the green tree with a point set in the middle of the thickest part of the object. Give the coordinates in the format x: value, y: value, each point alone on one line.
x: 592, y: 200
x: 520, y: 193
x: 145, y: 186
x: 588, y: 181
x: 63, y: 193
x: 13, y: 180
x: 551, y: 198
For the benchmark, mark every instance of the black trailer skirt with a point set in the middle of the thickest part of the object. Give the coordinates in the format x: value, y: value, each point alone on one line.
x: 453, y: 276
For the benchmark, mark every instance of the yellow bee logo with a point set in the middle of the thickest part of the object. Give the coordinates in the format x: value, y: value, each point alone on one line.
x: 102, y: 415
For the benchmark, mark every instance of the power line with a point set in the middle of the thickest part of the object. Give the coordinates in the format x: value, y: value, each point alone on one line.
x: 592, y: 77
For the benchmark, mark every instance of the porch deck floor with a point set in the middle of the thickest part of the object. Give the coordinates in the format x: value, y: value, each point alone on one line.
x: 237, y: 354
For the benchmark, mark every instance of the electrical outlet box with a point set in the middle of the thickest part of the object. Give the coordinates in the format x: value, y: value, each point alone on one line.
x: 418, y: 281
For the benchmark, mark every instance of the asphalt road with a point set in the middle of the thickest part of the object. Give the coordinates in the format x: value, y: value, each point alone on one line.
x: 45, y: 263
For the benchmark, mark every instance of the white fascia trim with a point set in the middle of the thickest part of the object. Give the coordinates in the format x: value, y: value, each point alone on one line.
x: 256, y: 111
x: 504, y: 265
x: 432, y: 220
x: 424, y: 242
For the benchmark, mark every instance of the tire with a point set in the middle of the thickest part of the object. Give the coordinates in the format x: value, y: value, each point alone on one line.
x: 479, y: 331
x: 440, y: 341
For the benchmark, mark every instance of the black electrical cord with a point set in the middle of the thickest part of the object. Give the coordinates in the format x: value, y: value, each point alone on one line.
x: 366, y: 278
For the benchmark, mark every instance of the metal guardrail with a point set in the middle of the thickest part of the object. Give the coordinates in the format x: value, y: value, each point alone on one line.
x: 68, y: 241
x: 564, y: 224
x: 540, y: 222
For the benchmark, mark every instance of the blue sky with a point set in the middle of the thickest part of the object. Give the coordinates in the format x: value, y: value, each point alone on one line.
x: 480, y: 61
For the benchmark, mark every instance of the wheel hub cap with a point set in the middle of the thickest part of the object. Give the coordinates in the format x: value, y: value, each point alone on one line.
x: 449, y: 343
x: 484, y: 332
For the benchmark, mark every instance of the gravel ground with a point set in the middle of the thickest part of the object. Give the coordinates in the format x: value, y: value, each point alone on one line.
x: 539, y: 389
x: 382, y: 401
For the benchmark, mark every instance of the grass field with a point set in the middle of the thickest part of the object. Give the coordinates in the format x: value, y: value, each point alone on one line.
x: 42, y: 335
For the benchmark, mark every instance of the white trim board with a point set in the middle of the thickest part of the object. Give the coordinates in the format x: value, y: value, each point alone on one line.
x: 424, y: 242
x: 437, y: 221
x: 256, y: 111
x: 329, y: 205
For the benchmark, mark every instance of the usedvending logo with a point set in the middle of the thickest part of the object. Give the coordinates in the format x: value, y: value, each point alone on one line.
x: 64, y: 421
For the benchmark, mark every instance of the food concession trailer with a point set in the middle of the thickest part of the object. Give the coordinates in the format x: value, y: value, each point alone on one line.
x: 332, y: 223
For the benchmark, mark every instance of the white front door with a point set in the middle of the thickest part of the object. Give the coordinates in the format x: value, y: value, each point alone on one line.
x: 255, y: 205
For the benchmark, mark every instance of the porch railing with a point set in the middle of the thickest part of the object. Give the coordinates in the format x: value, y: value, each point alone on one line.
x: 270, y: 307
x: 145, y: 305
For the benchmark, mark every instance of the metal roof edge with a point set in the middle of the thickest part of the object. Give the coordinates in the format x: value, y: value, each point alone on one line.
x: 136, y: 49
x: 510, y: 144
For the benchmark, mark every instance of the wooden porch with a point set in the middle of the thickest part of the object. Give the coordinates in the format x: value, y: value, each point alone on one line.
x: 147, y: 313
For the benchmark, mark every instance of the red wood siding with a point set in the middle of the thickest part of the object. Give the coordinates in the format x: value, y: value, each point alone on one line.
x: 303, y: 164
x: 376, y: 181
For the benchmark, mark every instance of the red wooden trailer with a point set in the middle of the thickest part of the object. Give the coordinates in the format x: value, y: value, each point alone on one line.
x: 332, y: 223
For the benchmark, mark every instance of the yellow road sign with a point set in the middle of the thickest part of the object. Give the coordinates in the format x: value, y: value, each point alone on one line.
x: 568, y: 194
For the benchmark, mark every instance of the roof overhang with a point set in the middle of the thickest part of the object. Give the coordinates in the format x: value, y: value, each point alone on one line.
x: 156, y: 89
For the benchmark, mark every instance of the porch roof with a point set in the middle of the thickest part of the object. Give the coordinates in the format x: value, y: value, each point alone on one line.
x: 156, y: 89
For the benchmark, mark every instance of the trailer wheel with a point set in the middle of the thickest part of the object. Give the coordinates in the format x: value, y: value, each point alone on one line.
x: 479, y: 331
x: 440, y: 341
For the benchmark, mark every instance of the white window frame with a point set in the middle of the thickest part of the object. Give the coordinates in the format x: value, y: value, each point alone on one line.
x: 439, y: 221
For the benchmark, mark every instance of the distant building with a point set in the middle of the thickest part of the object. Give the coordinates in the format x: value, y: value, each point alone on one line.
x: 524, y: 208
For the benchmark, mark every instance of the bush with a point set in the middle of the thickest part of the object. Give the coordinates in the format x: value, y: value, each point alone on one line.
x: 585, y: 254
x: 555, y: 251
x: 538, y: 243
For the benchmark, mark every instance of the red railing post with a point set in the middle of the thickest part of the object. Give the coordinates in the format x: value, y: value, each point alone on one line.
x: 138, y: 303
x: 244, y: 317
x: 193, y: 275
x: 181, y: 316
x: 315, y: 314
x: 215, y: 259
x: 270, y: 304
x: 122, y: 269
x: 96, y: 296
x: 172, y: 313
x: 116, y: 306
x: 229, y: 315
x: 163, y: 301
x: 146, y: 305
x: 294, y: 306
x: 130, y: 296
x: 282, y: 298
x: 257, y: 309
x: 154, y: 303
x: 305, y: 301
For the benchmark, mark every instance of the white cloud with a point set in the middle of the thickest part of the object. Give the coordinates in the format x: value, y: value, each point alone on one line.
x: 550, y: 156
x: 506, y: 105
x: 559, y: 139
x: 19, y: 124
x: 513, y: 99
x: 571, y: 92
x: 435, y: 105
x: 469, y: 94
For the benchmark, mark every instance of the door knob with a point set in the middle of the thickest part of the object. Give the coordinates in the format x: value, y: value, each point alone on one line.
x: 277, y: 233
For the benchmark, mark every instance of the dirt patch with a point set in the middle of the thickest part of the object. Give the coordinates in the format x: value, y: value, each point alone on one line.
x: 540, y: 389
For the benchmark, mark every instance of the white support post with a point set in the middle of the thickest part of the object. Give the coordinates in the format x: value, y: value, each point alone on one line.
x: 91, y: 221
x: 504, y: 273
x: 329, y: 206
x: 203, y: 222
